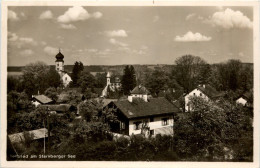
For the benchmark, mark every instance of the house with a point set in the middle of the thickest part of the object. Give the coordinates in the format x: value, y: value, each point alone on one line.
x: 205, y: 91
x: 140, y: 92
x: 61, y: 108
x: 113, y: 86
x: 143, y: 116
x: 41, y: 99
x: 171, y: 93
x: 66, y: 79
x: 245, y: 99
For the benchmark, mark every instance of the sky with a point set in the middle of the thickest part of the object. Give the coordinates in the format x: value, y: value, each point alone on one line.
x: 98, y: 35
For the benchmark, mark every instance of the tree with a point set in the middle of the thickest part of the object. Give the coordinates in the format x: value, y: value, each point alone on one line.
x: 157, y: 81
x: 128, y: 79
x: 230, y: 76
x: 89, y: 110
x: 101, y: 80
x: 188, y: 70
x: 35, y: 78
x: 76, y: 71
x: 54, y: 79
x: 85, y: 81
x: 198, y: 134
x: 74, y: 97
x: 52, y: 93
x: 246, y: 78
x: 210, y: 129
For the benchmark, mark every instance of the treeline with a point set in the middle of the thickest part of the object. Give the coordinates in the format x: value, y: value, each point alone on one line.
x: 190, y: 71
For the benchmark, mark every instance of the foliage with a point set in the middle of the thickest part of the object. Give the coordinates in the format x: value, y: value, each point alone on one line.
x: 128, y: 79
x: 76, y: 71
x: 157, y: 81
x: 90, y: 109
x: 53, y: 78
x: 14, y: 84
x: 85, y: 81
x: 206, y: 132
x: 232, y: 75
x: 35, y: 78
x: 73, y: 97
x: 190, y: 71
x: 52, y: 93
x: 101, y: 80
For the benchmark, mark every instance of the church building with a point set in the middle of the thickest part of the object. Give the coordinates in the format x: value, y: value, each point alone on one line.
x: 59, y: 63
x: 113, y: 85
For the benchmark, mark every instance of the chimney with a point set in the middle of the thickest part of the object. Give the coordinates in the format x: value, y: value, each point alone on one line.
x: 130, y: 99
x: 145, y: 98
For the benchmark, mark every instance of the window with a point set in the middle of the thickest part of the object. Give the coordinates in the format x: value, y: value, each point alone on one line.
x: 165, y: 121
x: 200, y: 94
x: 137, y: 125
x: 193, y: 94
x: 57, y: 68
x: 122, y: 125
x: 65, y: 78
x: 151, y: 132
x: 151, y: 119
x: 145, y: 123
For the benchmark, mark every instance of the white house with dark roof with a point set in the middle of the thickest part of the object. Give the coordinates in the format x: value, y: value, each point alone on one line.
x: 140, y: 92
x: 245, y: 99
x: 205, y: 91
x: 144, y: 116
x: 41, y: 99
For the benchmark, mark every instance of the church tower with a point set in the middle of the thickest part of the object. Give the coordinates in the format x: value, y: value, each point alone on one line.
x: 108, y: 78
x: 59, y: 62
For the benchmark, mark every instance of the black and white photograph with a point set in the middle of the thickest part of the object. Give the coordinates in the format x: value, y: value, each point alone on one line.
x: 130, y: 83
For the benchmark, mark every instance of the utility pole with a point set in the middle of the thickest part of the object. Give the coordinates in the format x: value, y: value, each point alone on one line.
x: 48, y: 122
x: 44, y: 137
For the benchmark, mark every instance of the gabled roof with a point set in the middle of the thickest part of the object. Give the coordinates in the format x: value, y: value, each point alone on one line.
x: 174, y: 94
x: 34, y: 134
x: 60, y: 107
x: 107, y: 101
x: 140, y: 90
x: 210, y: 91
x: 155, y: 106
x: 246, y: 95
x: 42, y: 99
